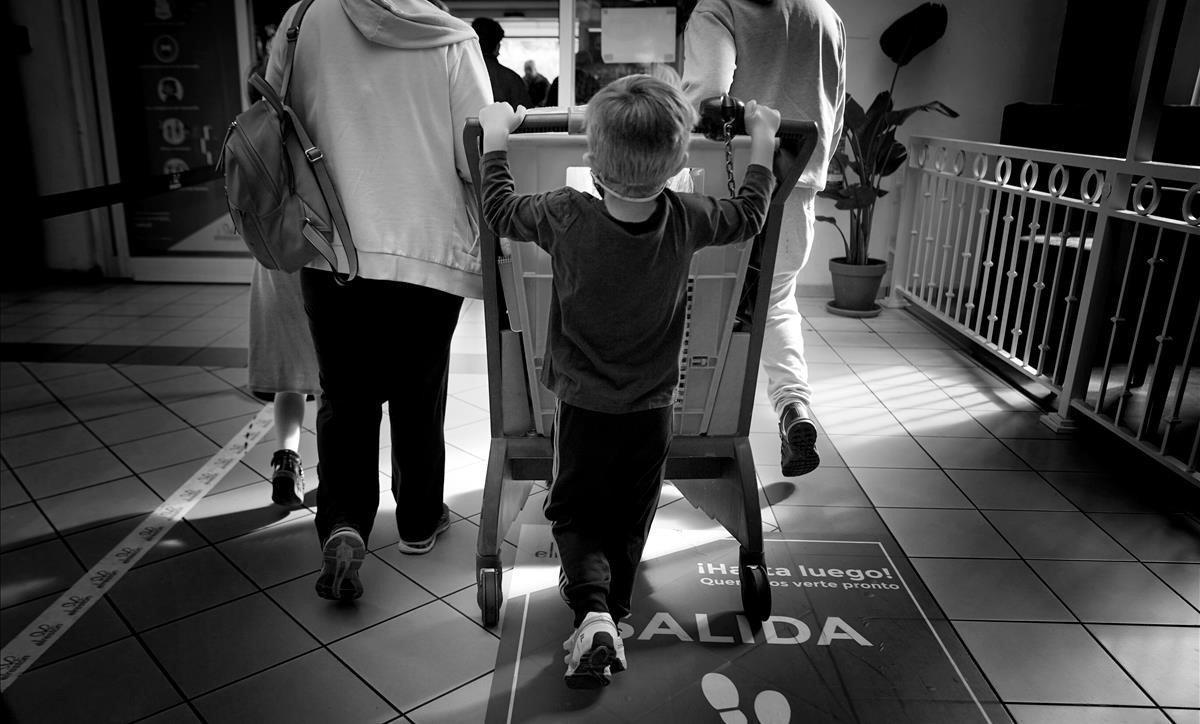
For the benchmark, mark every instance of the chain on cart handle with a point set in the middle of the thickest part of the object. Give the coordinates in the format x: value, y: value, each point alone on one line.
x: 727, y: 134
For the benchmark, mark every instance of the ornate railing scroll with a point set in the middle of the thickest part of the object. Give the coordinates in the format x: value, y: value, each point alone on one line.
x: 1082, y: 272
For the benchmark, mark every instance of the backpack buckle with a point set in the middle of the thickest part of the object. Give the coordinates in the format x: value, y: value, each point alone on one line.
x: 313, y: 154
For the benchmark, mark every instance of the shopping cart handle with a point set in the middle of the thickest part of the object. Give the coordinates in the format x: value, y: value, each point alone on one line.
x: 570, y: 120
x: 797, y: 140
x: 552, y: 120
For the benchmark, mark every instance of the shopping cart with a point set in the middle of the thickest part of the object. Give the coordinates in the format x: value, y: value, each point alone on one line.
x: 710, y: 460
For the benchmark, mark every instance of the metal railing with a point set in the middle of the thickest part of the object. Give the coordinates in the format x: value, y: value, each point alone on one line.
x: 1082, y: 272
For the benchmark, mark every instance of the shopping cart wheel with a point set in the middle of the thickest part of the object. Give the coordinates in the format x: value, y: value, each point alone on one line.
x: 756, y: 589
x: 488, y: 595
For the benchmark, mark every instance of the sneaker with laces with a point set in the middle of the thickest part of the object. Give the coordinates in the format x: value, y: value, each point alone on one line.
x: 421, y: 547
x: 594, y: 653
x: 287, y: 480
x: 798, y: 440
x: 342, y: 556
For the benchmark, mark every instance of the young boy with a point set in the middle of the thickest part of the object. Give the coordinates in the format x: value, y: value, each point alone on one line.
x: 616, y: 325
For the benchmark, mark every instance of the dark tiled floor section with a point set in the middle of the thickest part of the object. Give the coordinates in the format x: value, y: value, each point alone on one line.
x: 1071, y: 574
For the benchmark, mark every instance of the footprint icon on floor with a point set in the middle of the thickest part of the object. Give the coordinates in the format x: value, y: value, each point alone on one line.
x: 723, y: 696
x: 770, y: 707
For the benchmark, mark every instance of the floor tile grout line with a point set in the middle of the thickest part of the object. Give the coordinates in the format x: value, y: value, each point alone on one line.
x: 81, y: 421
x: 1021, y: 557
x: 449, y: 693
x: 137, y: 634
x: 132, y: 631
x: 58, y: 536
x: 1137, y: 557
x: 1091, y: 634
x: 320, y: 644
x: 165, y: 519
x: 108, y: 482
x: 109, y: 448
x: 940, y: 609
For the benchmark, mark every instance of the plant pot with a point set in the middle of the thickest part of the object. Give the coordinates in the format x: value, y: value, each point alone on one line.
x: 855, y: 287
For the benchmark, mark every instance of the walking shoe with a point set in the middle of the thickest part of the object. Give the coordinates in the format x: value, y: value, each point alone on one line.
x: 592, y: 653
x: 343, y: 555
x: 798, y: 435
x: 287, y: 482
x: 421, y: 547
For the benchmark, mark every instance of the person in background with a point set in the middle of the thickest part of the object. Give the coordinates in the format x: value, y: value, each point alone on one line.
x: 392, y: 140
x: 282, y: 364
x: 260, y: 64
x: 617, y: 313
x: 536, y: 84
x: 790, y: 54
x: 282, y: 368
x: 586, y: 84
x: 507, y: 86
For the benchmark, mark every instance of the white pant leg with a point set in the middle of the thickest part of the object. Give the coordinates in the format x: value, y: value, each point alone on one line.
x: 783, y: 341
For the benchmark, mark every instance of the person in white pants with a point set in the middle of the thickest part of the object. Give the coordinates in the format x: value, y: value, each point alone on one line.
x: 791, y: 55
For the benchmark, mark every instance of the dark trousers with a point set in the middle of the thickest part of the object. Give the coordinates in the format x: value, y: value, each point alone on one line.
x: 608, y: 472
x: 380, y: 341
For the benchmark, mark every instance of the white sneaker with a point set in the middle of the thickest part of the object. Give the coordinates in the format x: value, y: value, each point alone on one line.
x: 591, y: 650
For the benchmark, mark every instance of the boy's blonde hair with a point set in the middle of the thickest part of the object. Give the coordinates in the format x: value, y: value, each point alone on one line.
x: 638, y: 129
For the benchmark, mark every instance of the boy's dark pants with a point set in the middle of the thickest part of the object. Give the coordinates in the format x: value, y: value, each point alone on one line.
x: 380, y: 341
x: 608, y: 471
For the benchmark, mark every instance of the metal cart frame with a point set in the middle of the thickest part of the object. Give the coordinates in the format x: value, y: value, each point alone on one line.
x: 715, y: 473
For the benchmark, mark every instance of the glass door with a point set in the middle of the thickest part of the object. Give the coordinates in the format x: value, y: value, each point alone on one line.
x: 614, y: 38
x: 169, y: 77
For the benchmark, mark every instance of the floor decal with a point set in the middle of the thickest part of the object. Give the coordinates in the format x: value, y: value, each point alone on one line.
x: 852, y: 638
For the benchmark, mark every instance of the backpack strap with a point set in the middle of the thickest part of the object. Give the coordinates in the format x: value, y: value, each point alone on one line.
x: 316, y: 159
x: 293, y: 33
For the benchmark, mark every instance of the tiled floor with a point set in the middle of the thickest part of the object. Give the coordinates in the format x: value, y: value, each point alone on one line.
x: 1071, y: 574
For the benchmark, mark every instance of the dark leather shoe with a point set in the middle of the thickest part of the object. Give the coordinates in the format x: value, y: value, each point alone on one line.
x: 798, y: 434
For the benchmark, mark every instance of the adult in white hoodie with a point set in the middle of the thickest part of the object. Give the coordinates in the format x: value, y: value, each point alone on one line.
x: 385, y: 88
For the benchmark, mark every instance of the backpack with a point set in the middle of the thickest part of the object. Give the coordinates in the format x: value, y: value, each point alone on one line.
x: 280, y: 195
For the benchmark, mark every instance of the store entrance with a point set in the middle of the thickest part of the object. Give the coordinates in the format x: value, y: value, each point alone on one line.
x: 168, y: 81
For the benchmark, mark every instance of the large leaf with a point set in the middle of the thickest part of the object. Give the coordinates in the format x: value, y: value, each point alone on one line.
x: 881, y: 105
x: 876, y: 119
x: 891, y: 158
x: 897, y: 118
x: 837, y: 192
x: 913, y: 32
x: 857, y: 196
x: 873, y: 124
x: 854, y: 116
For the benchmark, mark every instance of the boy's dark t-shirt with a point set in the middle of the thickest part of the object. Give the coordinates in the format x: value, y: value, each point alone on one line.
x: 618, y: 305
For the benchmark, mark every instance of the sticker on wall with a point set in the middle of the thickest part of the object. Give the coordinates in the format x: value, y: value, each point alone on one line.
x: 170, y: 90
x: 166, y: 49
x: 173, y: 131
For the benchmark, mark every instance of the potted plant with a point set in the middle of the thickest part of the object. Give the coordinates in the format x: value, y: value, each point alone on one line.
x: 868, y: 153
